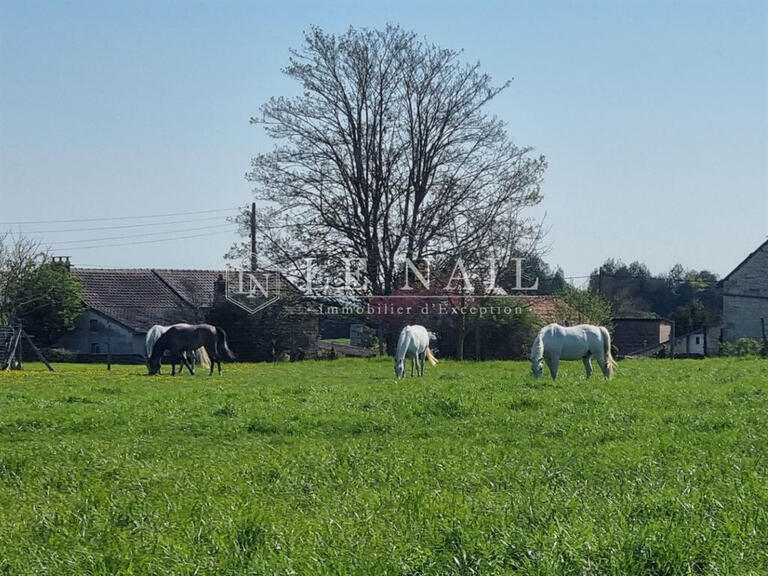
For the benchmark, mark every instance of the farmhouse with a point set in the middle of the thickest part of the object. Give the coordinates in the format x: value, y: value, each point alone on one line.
x: 122, y: 304
x: 745, y: 297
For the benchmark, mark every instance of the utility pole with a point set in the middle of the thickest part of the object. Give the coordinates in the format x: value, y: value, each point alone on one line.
x: 600, y: 281
x: 109, y: 346
x: 672, y: 342
x: 253, y: 237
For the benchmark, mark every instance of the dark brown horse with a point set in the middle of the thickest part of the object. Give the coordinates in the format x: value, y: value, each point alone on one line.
x: 183, y: 337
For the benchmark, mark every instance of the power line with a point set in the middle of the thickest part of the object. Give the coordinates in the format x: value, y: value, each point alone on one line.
x: 644, y: 278
x: 123, y: 226
x: 113, y: 218
x: 148, y: 241
x: 126, y: 236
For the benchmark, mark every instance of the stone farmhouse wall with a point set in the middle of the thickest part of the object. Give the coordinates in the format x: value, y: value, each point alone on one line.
x: 745, y: 297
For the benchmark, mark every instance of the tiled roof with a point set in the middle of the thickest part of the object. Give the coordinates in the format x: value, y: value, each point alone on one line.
x: 551, y: 309
x: 138, y: 298
x: 195, y: 286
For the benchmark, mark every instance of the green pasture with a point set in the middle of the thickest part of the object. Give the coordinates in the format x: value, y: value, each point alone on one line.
x: 336, y: 468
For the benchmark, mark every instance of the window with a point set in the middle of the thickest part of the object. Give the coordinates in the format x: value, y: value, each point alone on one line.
x: 95, y: 348
x: 698, y: 341
x: 94, y: 325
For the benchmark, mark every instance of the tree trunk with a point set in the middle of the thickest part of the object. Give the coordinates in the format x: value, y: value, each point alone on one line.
x: 382, y: 341
x: 461, y: 334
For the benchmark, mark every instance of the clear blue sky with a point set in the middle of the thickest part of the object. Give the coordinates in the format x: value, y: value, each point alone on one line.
x: 653, y: 115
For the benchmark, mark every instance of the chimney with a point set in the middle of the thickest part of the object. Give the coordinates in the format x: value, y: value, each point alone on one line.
x: 62, y: 260
x: 219, y: 289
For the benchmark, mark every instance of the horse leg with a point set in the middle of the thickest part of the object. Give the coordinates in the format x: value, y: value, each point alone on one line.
x: 422, y: 359
x: 604, y: 367
x: 412, y: 364
x: 215, y: 357
x: 218, y: 355
x: 212, y: 352
x: 553, y: 363
x: 600, y: 357
x: 588, y: 365
x: 188, y: 365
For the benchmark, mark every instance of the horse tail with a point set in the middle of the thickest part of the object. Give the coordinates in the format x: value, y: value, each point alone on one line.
x: 202, y: 357
x: 221, y: 342
x: 431, y: 357
x: 610, y: 363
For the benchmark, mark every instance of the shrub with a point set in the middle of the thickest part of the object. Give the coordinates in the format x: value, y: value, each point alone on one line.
x: 59, y: 355
x: 742, y: 347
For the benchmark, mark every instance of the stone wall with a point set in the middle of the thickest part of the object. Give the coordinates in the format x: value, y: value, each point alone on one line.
x: 745, y: 297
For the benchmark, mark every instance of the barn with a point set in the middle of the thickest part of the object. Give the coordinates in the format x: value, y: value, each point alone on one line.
x: 745, y: 297
x: 122, y: 304
x: 633, y: 335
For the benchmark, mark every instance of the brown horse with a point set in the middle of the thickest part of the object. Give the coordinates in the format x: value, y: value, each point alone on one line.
x: 183, y: 337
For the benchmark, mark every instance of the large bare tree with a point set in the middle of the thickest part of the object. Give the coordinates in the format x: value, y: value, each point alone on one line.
x: 389, y: 153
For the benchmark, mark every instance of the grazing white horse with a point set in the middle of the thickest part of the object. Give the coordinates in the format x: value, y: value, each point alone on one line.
x: 153, y: 335
x: 555, y: 343
x: 414, y: 344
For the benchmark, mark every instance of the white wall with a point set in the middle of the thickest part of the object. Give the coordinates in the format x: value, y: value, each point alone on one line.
x: 107, y: 335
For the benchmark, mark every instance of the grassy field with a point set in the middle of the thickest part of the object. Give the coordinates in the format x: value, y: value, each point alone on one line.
x: 336, y: 468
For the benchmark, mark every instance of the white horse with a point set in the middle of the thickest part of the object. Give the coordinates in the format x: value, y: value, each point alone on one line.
x: 555, y: 343
x: 153, y: 335
x: 414, y: 344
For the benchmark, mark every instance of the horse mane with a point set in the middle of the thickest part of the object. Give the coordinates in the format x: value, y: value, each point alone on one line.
x: 537, y: 348
x: 159, y: 343
x: 402, y: 344
x: 153, y: 335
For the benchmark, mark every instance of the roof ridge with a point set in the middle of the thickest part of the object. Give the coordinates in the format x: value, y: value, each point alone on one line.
x: 171, y: 288
x: 106, y: 269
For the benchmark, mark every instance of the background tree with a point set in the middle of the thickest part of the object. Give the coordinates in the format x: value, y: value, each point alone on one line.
x: 34, y: 290
x: 595, y: 309
x: 533, y: 268
x: 689, y: 297
x: 389, y: 153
